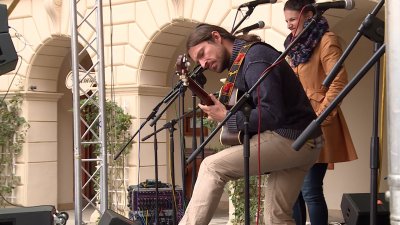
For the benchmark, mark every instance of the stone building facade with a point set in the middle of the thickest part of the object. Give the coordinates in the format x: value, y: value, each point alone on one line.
x: 146, y: 37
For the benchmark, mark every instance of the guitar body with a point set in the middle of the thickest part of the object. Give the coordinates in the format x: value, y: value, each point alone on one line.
x: 228, y: 137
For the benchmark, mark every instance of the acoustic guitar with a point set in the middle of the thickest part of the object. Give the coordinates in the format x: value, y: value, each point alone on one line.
x: 226, y: 137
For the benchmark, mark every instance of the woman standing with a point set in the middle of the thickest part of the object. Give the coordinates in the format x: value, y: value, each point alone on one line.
x: 312, y: 58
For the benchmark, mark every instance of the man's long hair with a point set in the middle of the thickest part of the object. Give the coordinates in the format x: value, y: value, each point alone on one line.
x: 202, y: 33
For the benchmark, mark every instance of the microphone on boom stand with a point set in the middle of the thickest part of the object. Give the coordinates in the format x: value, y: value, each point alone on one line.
x: 258, y: 25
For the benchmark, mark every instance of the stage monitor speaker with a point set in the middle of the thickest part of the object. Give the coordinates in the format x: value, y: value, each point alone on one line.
x: 8, y: 56
x: 356, y: 209
x: 112, y: 218
x: 3, y: 19
x: 42, y: 215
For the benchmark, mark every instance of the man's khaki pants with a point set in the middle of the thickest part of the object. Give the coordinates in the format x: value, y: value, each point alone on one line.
x: 286, y: 166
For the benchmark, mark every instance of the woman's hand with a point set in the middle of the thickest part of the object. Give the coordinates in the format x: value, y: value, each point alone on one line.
x: 216, y: 112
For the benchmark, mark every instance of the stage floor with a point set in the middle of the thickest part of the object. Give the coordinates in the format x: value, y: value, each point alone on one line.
x: 221, y: 216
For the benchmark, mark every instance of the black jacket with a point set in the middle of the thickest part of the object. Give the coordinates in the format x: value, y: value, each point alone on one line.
x: 285, y: 107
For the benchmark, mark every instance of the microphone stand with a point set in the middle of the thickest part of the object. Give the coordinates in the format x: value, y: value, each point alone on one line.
x: 194, y: 141
x: 374, y: 157
x: 183, y: 153
x: 366, y: 24
x: 300, y: 141
x: 202, y: 129
x: 241, y: 102
x: 248, y: 13
x: 171, y: 99
x: 195, y: 72
x: 170, y: 126
x: 151, y: 116
x: 194, y: 134
x: 172, y: 94
x: 155, y: 144
x: 153, y: 123
x: 246, y: 159
x: 372, y: 28
x: 179, y: 88
x: 246, y: 137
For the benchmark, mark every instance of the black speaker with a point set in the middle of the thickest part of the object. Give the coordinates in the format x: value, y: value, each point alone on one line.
x: 8, y: 56
x: 356, y: 209
x: 42, y: 215
x: 3, y: 19
x: 112, y: 218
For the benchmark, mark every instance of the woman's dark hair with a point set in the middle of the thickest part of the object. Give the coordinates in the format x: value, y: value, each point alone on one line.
x: 297, y: 5
x: 203, y: 31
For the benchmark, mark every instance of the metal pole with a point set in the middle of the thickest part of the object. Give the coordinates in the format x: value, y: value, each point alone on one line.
x: 393, y: 105
x: 102, y: 105
x: 76, y: 116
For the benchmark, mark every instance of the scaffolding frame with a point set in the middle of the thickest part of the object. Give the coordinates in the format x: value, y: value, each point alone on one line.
x: 94, y: 45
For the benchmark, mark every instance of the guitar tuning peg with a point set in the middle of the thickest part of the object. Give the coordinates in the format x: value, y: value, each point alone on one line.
x: 187, y: 64
x: 184, y: 79
x: 185, y: 61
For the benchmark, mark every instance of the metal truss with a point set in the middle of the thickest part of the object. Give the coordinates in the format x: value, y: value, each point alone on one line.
x: 90, y: 170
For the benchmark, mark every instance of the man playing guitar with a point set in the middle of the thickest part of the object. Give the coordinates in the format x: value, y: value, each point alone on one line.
x: 280, y: 112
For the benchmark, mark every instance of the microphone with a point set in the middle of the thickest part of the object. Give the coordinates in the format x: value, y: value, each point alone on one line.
x: 258, y: 25
x: 344, y: 4
x: 256, y: 3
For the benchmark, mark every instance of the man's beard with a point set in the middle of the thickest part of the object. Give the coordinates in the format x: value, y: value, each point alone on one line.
x: 225, y: 62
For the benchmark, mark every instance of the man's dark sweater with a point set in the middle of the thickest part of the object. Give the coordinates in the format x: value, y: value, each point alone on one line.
x: 285, y: 107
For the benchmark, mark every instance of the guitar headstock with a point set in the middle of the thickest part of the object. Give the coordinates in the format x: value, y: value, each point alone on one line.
x: 182, y: 67
x: 182, y: 64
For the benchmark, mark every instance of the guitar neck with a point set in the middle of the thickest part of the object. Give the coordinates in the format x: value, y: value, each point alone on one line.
x: 199, y: 92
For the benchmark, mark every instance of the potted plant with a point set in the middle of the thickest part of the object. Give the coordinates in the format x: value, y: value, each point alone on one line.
x: 236, y: 193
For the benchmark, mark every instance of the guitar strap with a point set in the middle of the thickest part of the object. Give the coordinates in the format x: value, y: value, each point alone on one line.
x: 227, y: 88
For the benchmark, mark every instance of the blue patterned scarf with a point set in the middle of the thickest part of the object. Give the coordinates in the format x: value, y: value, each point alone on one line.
x: 302, y: 51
